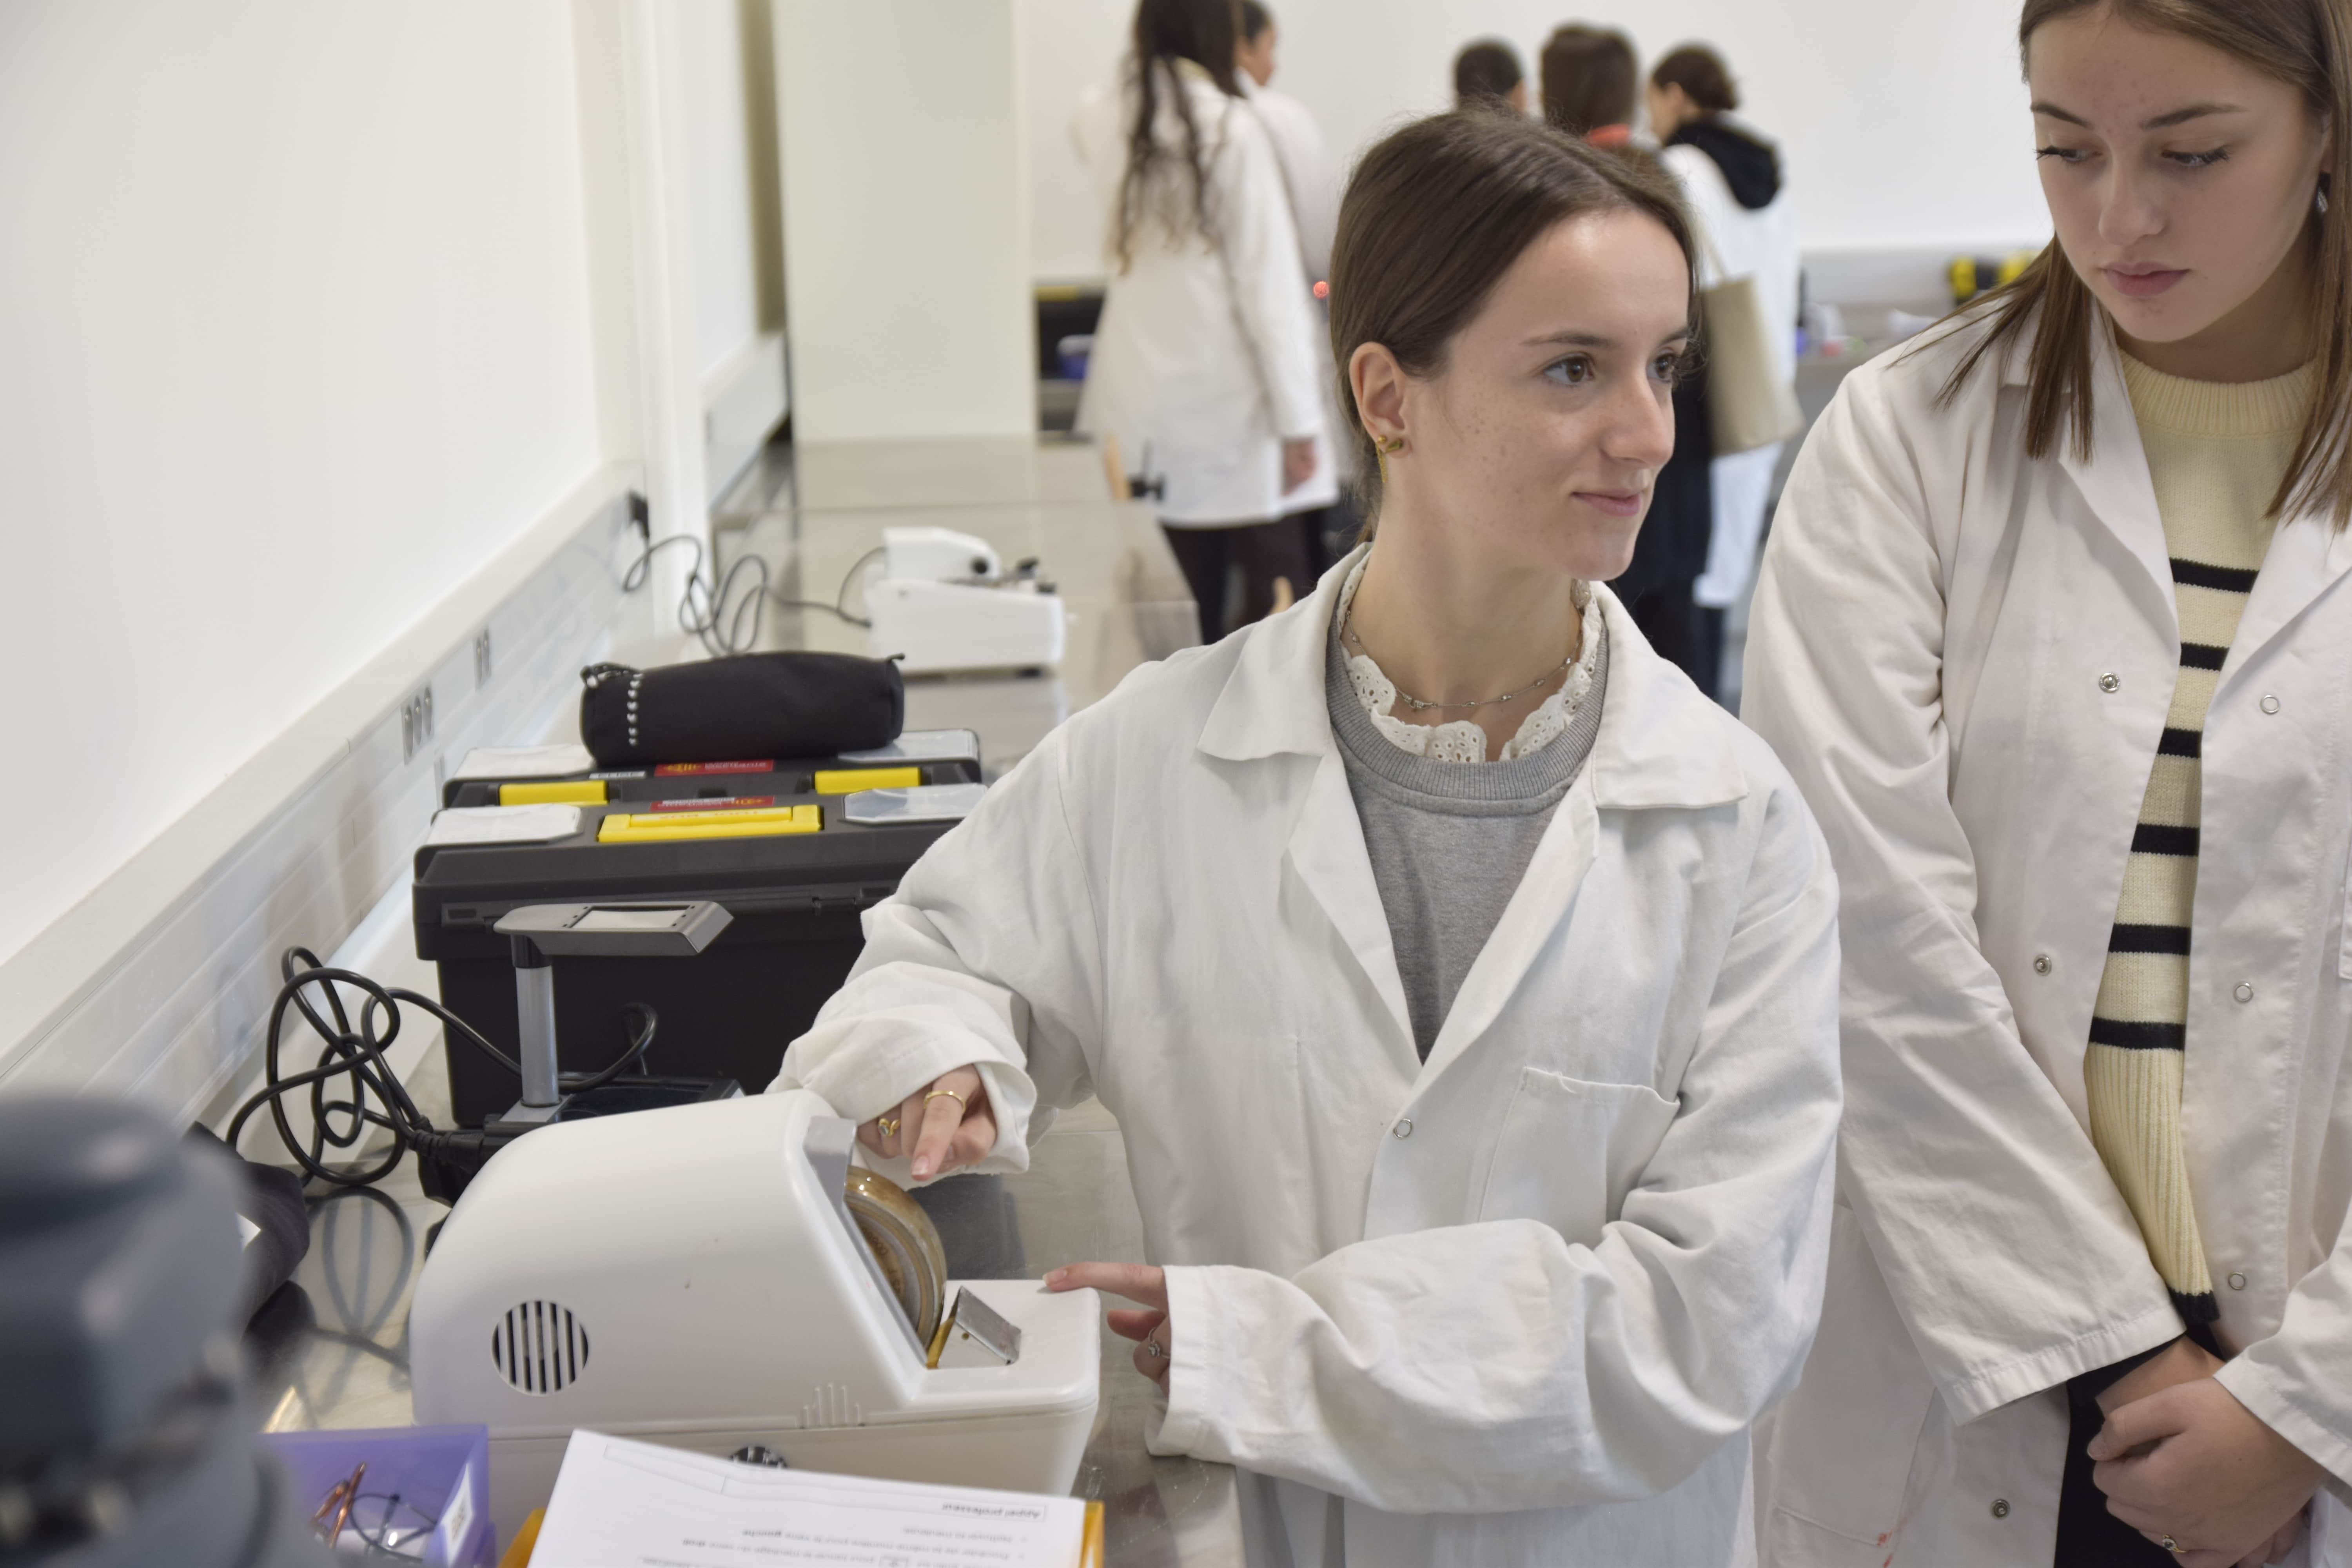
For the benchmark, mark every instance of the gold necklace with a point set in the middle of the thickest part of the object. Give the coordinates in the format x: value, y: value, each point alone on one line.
x: 1348, y: 633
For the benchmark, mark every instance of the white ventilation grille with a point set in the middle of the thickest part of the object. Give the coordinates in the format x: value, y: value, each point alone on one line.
x: 539, y: 1347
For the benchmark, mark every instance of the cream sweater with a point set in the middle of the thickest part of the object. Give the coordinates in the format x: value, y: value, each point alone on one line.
x: 2215, y: 454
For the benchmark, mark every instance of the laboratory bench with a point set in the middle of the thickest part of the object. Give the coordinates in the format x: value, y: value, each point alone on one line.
x: 332, y: 1352
x: 1044, y: 498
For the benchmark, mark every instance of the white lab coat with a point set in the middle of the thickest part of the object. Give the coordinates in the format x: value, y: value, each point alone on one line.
x: 1313, y: 187
x: 1203, y: 363
x: 1307, y: 177
x: 1516, y: 1305
x: 1742, y: 243
x: 1933, y: 637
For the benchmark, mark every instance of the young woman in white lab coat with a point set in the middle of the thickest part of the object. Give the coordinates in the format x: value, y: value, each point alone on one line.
x: 1493, y: 1264
x: 1203, y: 366
x: 1299, y: 149
x: 1732, y: 185
x: 1312, y: 185
x: 2054, y: 630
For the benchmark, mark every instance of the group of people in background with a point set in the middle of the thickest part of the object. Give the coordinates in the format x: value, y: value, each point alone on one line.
x: 1212, y: 365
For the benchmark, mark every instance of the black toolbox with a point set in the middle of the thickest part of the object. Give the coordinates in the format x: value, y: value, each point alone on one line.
x: 794, y: 855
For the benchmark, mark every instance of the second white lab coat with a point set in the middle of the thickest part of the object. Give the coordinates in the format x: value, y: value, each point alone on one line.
x: 1516, y: 1305
x: 1203, y: 363
x: 1761, y: 244
x: 1307, y: 176
x: 1965, y: 656
x: 1313, y: 186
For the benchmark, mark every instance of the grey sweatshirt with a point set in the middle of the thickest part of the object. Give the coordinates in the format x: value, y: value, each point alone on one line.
x: 1450, y: 841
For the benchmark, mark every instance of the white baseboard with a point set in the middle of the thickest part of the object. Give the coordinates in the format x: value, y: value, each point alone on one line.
x: 159, y: 984
x: 743, y: 401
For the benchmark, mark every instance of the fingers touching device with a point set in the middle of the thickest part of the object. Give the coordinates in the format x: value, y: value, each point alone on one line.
x: 939, y: 601
x: 717, y: 1276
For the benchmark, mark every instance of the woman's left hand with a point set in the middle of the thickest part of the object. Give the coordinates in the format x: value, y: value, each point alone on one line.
x: 2191, y: 1462
x: 1156, y: 1346
x: 1297, y: 463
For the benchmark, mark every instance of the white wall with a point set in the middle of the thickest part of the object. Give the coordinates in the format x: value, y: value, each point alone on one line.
x: 727, y: 109
x: 905, y: 219
x: 294, y: 336
x: 1903, y: 123
x: 731, y: 178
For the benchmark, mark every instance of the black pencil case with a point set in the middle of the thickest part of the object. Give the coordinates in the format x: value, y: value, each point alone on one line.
x: 785, y: 704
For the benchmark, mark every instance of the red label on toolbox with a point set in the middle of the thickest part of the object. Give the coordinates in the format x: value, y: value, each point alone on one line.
x: 733, y: 803
x: 761, y: 765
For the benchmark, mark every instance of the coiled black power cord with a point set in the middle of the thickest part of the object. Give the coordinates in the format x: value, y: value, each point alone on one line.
x: 355, y: 1055
x: 727, y: 621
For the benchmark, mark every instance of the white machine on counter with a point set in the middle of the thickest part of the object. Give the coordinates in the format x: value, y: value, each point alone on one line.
x: 942, y: 601
x: 696, y: 1277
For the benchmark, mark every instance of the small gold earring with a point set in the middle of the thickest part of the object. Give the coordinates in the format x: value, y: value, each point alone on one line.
x: 1382, y: 447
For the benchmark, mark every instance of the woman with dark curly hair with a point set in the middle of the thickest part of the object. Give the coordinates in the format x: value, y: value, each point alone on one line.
x: 1203, y: 366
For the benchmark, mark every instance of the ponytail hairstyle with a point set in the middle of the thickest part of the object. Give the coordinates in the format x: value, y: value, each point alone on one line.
x: 2307, y: 43
x: 1437, y: 212
x: 1167, y: 34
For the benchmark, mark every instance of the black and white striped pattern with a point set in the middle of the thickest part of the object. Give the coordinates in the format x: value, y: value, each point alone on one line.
x: 2215, y: 455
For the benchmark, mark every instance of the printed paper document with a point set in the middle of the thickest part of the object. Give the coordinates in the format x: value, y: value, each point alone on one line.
x: 622, y: 1504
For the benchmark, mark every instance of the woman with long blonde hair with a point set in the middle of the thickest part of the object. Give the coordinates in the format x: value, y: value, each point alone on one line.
x: 2054, y: 631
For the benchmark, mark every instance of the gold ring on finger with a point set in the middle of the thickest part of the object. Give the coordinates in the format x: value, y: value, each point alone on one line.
x: 2171, y: 1545
x: 887, y: 1125
x: 951, y: 1094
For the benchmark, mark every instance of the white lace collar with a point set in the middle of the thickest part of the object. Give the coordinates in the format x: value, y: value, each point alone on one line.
x: 1463, y: 741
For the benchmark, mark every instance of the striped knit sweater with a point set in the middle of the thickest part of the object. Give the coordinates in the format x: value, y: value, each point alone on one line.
x: 2216, y: 453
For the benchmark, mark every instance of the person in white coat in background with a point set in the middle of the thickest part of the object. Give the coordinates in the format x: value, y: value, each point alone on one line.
x: 2054, y: 630
x: 1733, y: 184
x: 1480, y: 1111
x: 1313, y: 186
x: 1204, y: 366
x: 1307, y: 176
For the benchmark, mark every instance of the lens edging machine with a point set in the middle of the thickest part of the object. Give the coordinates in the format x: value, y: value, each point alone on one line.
x: 704, y: 1277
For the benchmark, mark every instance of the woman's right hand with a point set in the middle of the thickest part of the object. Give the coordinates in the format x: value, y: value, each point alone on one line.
x: 945, y: 1124
x: 2185, y: 1361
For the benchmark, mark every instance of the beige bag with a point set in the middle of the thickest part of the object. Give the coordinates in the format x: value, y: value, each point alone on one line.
x: 1747, y: 403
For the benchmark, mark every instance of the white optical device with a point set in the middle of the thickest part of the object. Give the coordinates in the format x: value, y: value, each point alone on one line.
x: 695, y: 1276
x: 940, y: 600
